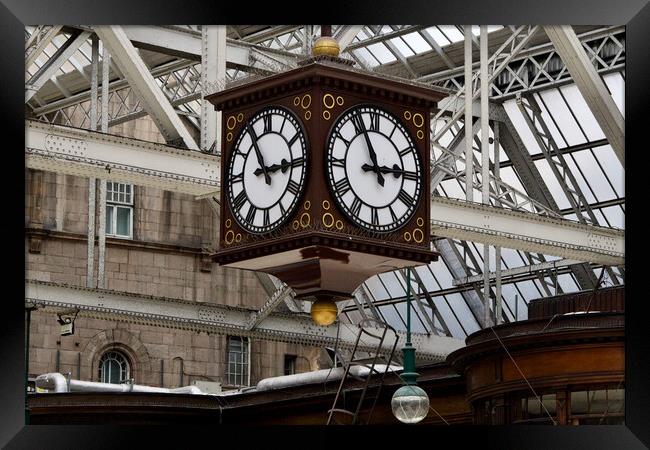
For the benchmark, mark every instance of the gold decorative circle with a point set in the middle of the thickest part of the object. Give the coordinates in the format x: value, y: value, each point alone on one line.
x: 307, y: 205
x: 240, y: 117
x: 407, y: 236
x: 326, y: 204
x: 339, y: 225
x: 339, y: 100
x: 305, y: 220
x: 307, y: 98
x: 407, y: 115
x: 416, y: 120
x: 238, y: 237
x: 296, y: 101
x: 328, y: 220
x: 229, y: 136
x: 327, y: 103
x: 420, y: 134
x: 228, y: 223
x: 326, y: 115
x: 420, y: 221
x: 307, y: 115
x: 230, y: 237
x: 295, y: 224
x: 418, y: 235
x: 234, y: 122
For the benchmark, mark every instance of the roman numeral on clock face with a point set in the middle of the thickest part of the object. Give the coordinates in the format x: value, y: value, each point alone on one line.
x: 357, y: 122
x: 342, y: 186
x: 293, y: 187
x: 374, y: 121
x: 405, y: 198
x: 250, y: 216
x: 239, y: 201
x: 268, y: 123
x: 355, y: 207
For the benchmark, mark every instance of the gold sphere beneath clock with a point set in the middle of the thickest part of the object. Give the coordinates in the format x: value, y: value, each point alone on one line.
x: 324, y: 312
x: 325, y: 45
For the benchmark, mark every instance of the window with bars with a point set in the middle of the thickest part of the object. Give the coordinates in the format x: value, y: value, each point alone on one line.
x: 237, y: 367
x: 119, y: 209
x: 113, y: 368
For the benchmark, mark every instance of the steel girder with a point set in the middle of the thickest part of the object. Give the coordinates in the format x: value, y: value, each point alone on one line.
x: 519, y: 230
x: 54, y: 63
x: 73, y: 151
x: 541, y: 67
x: 140, y: 79
x: 182, y: 314
x: 591, y: 86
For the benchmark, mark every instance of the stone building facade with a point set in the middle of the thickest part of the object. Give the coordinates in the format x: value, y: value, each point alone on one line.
x: 164, y: 256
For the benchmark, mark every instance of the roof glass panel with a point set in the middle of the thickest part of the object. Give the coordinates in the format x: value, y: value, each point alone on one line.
x: 416, y: 42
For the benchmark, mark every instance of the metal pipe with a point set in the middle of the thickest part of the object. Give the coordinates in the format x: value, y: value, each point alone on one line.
x: 52, y: 381
x: 317, y: 376
x: 58, y: 383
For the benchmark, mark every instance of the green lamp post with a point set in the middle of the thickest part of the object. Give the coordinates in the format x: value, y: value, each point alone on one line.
x: 410, y: 403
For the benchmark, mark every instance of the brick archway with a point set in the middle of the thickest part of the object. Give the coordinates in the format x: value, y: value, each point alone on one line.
x: 120, y: 340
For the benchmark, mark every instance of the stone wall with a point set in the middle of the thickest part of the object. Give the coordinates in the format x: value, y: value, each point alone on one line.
x: 154, y: 353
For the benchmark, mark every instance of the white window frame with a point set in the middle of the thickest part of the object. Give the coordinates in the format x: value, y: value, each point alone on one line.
x: 245, y: 361
x: 115, y: 204
x: 125, y: 366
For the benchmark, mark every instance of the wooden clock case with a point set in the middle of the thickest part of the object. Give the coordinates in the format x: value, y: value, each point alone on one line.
x: 318, y: 251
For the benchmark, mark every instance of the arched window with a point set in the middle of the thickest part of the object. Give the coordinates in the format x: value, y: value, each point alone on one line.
x: 113, y: 367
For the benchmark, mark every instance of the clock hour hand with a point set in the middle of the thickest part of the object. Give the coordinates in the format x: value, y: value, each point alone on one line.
x: 283, y: 166
x: 260, y: 158
x: 371, y: 151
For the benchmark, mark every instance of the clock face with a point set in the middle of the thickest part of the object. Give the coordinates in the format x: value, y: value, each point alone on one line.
x: 373, y: 169
x: 267, y: 170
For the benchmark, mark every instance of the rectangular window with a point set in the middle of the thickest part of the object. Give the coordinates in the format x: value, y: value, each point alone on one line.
x: 237, y: 367
x: 119, y: 209
x: 289, y: 364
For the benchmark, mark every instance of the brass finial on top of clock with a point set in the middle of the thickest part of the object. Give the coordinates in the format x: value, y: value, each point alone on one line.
x: 326, y: 44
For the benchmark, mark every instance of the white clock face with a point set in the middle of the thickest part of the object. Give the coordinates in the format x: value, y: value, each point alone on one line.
x: 267, y: 170
x: 373, y: 169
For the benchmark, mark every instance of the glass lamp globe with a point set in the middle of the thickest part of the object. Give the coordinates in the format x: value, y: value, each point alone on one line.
x: 410, y: 404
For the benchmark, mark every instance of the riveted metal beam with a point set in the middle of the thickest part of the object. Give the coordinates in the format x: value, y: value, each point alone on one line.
x: 74, y: 151
x: 182, y: 314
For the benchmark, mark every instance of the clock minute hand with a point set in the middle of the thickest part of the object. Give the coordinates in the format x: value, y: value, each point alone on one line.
x: 371, y: 151
x: 260, y: 158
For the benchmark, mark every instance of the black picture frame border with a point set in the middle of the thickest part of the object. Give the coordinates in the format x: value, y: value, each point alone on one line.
x: 14, y: 14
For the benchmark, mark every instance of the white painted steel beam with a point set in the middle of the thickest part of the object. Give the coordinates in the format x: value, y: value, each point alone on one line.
x: 492, y: 276
x: 346, y: 34
x: 41, y: 45
x: 187, y: 44
x: 137, y: 73
x: 84, y: 153
x: 176, y: 313
x: 213, y: 73
x: 56, y: 61
x: 456, y: 219
x: 591, y: 86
